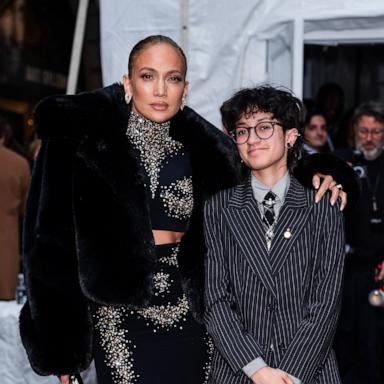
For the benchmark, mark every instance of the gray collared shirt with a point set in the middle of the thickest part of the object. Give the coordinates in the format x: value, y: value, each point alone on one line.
x: 259, y: 191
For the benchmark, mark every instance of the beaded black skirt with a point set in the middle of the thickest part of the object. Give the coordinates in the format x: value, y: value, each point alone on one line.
x: 159, y: 344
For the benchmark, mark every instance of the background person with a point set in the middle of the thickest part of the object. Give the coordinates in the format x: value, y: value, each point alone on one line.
x: 14, y: 183
x: 359, y: 342
x: 315, y: 133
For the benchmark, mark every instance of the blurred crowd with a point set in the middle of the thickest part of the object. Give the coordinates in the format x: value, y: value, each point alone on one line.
x: 356, y: 136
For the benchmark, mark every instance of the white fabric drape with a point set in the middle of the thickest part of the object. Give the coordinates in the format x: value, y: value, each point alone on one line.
x: 232, y: 44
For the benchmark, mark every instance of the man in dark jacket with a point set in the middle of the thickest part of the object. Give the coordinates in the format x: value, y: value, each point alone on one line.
x: 359, y: 342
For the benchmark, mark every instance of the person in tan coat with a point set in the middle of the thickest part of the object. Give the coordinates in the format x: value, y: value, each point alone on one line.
x: 14, y: 182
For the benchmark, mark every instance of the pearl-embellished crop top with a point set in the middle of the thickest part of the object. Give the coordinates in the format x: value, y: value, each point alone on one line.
x: 167, y: 170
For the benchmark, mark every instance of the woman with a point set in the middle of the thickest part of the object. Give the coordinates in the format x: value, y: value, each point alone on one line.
x: 114, y: 242
x: 275, y: 258
x: 315, y: 133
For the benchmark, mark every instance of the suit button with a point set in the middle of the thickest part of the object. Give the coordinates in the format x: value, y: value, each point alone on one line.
x: 272, y: 347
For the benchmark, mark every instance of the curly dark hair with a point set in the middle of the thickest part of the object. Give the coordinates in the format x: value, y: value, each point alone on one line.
x: 152, y: 40
x: 287, y: 109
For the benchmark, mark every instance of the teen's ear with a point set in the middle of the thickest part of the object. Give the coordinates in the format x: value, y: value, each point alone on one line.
x: 291, y: 136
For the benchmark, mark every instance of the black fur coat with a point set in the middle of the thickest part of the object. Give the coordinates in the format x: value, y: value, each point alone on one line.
x: 87, y: 234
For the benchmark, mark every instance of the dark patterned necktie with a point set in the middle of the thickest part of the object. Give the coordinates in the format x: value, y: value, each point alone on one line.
x: 269, y: 216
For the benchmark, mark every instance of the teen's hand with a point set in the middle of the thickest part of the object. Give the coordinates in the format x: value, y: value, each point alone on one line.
x: 268, y: 375
x: 328, y: 183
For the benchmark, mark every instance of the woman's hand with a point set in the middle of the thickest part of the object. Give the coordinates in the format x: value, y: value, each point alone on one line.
x: 328, y: 183
x: 64, y: 379
x: 268, y: 375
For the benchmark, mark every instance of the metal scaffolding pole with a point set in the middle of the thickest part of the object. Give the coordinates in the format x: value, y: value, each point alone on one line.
x: 77, y: 47
x: 298, y: 57
x: 184, y: 9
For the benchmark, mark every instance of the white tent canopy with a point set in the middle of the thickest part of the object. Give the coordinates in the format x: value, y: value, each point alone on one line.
x: 231, y: 44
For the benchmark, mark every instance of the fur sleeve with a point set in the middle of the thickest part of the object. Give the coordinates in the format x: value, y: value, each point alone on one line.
x: 54, y: 323
x: 329, y: 164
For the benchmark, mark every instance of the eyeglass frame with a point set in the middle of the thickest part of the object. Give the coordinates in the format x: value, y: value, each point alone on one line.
x: 273, y: 123
x: 365, y: 131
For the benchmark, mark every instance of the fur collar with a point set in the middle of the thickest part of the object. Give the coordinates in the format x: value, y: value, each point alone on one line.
x: 96, y: 122
x: 101, y: 116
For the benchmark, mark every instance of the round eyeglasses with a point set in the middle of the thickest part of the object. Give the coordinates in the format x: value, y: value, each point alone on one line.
x: 264, y: 130
x: 373, y: 132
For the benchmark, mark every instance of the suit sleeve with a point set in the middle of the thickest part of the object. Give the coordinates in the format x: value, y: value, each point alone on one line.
x: 236, y: 345
x: 312, y: 343
x: 54, y: 323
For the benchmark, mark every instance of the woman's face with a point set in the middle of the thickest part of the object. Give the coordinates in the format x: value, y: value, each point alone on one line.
x: 315, y: 133
x: 157, y: 82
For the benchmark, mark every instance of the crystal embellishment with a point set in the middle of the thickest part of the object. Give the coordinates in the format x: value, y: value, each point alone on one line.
x: 154, y: 144
x: 178, y: 198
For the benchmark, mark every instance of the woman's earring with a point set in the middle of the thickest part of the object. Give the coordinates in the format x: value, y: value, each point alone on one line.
x: 183, y: 103
x: 127, y: 97
x: 289, y: 145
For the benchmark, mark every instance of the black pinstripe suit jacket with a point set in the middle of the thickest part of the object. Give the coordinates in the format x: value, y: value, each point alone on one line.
x: 280, y: 305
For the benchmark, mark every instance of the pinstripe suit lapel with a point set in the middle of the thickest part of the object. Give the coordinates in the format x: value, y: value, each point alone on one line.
x: 244, y: 221
x: 293, y: 215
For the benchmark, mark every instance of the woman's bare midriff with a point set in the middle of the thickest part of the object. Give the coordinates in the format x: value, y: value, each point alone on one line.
x: 166, y: 237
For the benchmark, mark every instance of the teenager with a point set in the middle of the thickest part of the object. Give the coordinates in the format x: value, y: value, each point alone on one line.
x: 275, y: 257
